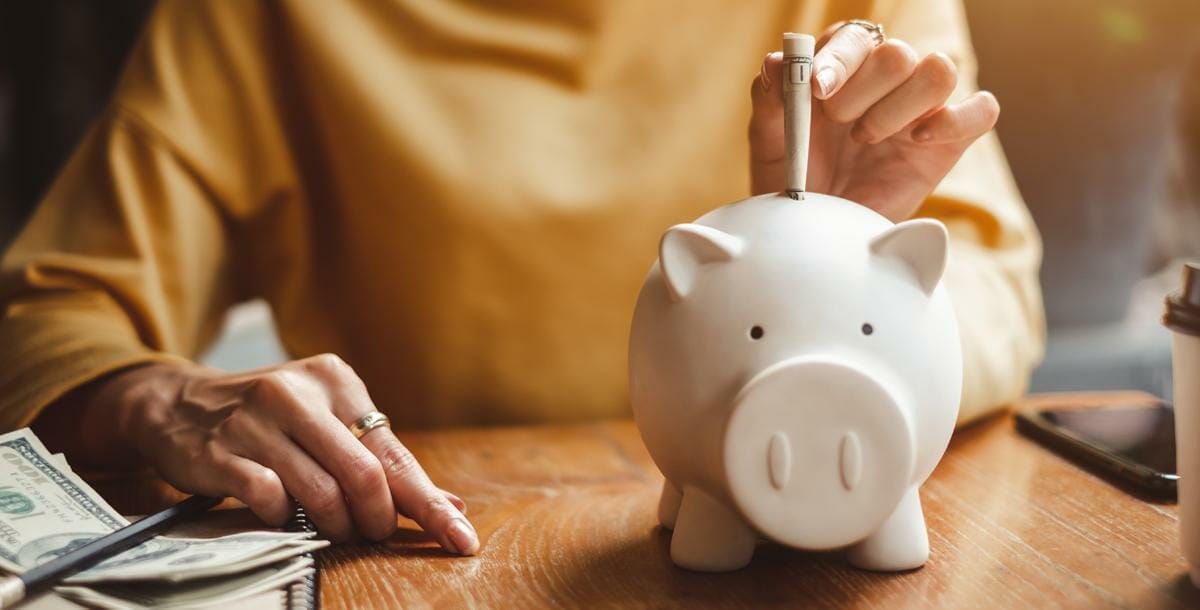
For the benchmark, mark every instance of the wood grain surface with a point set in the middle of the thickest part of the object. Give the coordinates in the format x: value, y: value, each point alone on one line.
x: 567, y: 519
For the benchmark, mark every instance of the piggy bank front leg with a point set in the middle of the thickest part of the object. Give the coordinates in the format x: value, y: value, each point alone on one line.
x: 901, y: 543
x: 668, y: 504
x: 710, y: 536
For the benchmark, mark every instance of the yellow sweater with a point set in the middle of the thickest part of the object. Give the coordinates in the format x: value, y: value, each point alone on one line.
x: 461, y: 199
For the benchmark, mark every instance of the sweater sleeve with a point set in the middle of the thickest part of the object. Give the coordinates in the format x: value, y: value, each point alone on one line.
x: 141, y: 244
x: 995, y: 250
x: 126, y: 260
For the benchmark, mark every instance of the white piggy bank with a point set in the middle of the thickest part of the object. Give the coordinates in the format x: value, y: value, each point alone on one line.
x: 795, y: 371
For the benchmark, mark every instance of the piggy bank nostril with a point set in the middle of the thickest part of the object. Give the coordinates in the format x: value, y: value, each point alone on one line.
x: 850, y: 460
x: 756, y: 332
x: 779, y: 460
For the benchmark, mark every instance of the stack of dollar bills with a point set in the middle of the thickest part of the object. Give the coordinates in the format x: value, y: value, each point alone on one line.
x: 47, y: 510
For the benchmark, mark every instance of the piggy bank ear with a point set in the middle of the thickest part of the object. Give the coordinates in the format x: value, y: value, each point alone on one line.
x: 920, y: 244
x: 686, y: 249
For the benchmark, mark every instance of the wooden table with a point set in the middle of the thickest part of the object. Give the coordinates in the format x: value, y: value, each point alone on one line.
x: 567, y: 518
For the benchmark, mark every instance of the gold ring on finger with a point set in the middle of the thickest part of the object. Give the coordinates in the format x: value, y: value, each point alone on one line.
x: 369, y: 422
x: 876, y: 29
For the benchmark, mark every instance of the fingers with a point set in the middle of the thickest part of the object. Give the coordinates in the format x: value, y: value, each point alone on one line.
x: 417, y: 496
x: 216, y: 472
x: 875, y: 91
x: 840, y: 58
x: 456, y: 501
x: 314, y: 488
x: 412, y: 492
x: 318, y: 426
x: 357, y: 471
x: 964, y: 121
x: 766, y: 119
x: 928, y: 88
x: 766, y: 127
x: 258, y: 487
x: 263, y: 435
x: 887, y: 67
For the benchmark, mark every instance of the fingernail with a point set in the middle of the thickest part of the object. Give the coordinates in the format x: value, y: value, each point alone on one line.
x: 826, y: 81
x: 462, y: 536
x: 764, y: 80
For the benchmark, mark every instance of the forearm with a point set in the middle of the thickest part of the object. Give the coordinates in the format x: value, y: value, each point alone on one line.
x: 1000, y: 322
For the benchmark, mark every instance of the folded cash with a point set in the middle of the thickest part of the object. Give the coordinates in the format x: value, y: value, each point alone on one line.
x: 180, y: 559
x: 197, y: 593
x: 46, y: 510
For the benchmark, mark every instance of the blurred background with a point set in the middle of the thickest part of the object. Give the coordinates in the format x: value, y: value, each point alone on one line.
x: 1101, y: 125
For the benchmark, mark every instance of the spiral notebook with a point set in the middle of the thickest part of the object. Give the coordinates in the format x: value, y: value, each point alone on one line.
x: 305, y: 594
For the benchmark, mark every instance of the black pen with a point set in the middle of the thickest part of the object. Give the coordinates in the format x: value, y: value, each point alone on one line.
x: 15, y: 588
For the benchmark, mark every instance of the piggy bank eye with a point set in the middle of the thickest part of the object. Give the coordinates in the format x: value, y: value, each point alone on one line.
x: 756, y: 332
x: 867, y: 329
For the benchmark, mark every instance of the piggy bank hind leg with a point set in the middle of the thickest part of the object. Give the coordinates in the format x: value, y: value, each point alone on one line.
x: 668, y: 504
x: 709, y: 536
x: 901, y: 543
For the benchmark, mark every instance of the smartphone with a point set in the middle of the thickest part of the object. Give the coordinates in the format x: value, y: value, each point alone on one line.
x: 1135, y: 444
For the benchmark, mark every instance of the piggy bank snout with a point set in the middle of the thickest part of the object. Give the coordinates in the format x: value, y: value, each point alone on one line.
x: 817, y: 453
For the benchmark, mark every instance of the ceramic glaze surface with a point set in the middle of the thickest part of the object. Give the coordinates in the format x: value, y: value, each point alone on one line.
x: 795, y: 372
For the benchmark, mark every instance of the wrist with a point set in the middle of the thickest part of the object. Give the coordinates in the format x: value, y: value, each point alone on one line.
x: 128, y: 404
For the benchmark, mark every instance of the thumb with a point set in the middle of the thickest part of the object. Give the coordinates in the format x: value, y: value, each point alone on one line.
x: 767, y: 155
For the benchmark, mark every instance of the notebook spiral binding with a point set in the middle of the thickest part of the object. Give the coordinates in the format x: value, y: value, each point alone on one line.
x: 305, y: 594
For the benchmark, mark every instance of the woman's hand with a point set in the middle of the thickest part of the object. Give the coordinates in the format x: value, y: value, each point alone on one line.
x: 882, y: 134
x: 267, y: 434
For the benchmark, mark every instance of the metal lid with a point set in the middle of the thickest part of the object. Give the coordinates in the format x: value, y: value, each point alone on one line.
x: 1183, y: 307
